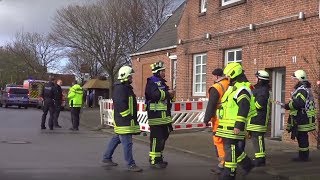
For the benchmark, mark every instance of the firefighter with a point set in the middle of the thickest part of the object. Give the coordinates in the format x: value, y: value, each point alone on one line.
x: 302, y: 112
x: 158, y: 101
x: 257, y: 126
x: 75, y: 97
x: 57, y: 103
x: 125, y: 119
x: 216, y: 92
x: 47, y: 95
x: 237, y: 107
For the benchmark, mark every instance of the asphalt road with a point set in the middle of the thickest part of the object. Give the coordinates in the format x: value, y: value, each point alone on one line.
x: 30, y: 153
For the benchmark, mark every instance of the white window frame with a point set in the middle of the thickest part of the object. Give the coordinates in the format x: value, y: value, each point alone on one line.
x: 202, y: 92
x: 203, y: 6
x: 226, y: 60
x: 224, y: 2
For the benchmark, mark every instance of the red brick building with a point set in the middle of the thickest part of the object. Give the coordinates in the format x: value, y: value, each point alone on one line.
x: 280, y: 36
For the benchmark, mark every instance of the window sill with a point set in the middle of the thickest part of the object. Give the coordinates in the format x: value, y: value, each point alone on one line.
x: 202, y: 14
x: 232, y: 4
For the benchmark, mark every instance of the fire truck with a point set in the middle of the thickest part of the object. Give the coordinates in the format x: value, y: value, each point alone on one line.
x: 35, y: 88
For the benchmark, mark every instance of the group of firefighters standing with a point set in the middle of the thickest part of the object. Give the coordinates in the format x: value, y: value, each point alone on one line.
x: 236, y: 109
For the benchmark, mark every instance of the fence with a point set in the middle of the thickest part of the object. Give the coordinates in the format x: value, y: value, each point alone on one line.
x: 185, y: 114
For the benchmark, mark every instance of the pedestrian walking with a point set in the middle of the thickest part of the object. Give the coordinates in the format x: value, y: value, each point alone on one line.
x: 57, y: 102
x: 125, y: 120
x: 216, y: 92
x: 302, y: 113
x: 257, y: 125
x: 158, y: 101
x: 47, y: 96
x: 236, y: 108
x: 75, y: 97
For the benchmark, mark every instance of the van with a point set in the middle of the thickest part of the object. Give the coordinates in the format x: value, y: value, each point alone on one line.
x: 15, y: 96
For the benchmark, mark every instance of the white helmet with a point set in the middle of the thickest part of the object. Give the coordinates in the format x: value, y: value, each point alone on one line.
x: 124, y: 73
x: 300, y: 75
x: 262, y: 74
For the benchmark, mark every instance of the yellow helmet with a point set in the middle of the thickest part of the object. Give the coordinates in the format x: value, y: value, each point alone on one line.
x: 262, y: 74
x: 158, y: 66
x: 300, y: 75
x: 124, y: 73
x: 233, y: 70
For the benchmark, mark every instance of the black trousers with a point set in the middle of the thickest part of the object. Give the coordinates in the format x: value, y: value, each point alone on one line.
x: 234, y: 156
x: 57, y: 106
x: 48, y: 106
x: 75, y: 117
x: 303, y: 142
x: 258, y: 145
x: 158, y: 136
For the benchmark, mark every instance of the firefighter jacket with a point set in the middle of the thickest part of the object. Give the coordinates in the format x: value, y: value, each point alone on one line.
x: 215, y: 94
x: 125, y: 109
x: 75, y: 96
x: 158, y: 101
x: 237, y: 107
x: 302, y: 108
x: 261, y: 96
x: 48, y: 91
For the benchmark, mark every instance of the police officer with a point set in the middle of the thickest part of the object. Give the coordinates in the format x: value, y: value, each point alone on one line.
x: 215, y: 94
x: 236, y: 108
x: 257, y: 126
x: 125, y: 119
x: 75, y: 97
x: 302, y: 114
x: 158, y: 100
x: 47, y: 95
x: 57, y: 103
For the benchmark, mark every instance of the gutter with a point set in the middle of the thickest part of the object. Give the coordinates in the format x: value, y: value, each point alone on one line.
x: 153, y: 50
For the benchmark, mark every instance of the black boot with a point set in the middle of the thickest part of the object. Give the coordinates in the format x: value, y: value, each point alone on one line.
x: 303, y: 157
x: 258, y: 162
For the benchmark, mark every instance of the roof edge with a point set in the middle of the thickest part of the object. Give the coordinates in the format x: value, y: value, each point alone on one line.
x: 153, y: 50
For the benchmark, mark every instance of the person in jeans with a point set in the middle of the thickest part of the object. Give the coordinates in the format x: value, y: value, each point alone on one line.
x: 125, y: 120
x: 75, y: 97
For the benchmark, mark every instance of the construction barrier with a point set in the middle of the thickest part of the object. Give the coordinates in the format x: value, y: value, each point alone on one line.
x: 185, y: 114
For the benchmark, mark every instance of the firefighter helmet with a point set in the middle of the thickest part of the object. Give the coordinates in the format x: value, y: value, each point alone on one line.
x: 158, y: 66
x: 300, y: 75
x: 262, y: 74
x: 233, y: 70
x: 124, y: 73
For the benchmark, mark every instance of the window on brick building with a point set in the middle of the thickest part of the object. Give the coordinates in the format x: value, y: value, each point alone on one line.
x: 199, y: 74
x: 203, y: 6
x: 233, y: 55
x: 227, y: 2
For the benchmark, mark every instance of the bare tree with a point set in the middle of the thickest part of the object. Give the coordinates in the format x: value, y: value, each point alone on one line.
x: 36, y: 50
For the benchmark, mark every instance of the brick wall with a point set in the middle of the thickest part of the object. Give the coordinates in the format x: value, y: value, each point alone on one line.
x: 279, y: 36
x: 141, y: 65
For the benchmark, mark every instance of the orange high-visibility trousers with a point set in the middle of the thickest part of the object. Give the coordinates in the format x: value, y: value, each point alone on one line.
x: 217, y: 141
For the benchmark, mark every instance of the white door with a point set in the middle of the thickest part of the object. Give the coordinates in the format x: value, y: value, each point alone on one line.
x: 278, y: 94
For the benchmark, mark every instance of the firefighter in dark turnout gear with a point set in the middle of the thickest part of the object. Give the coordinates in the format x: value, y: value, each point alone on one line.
x: 237, y: 107
x: 47, y: 95
x: 158, y: 101
x: 125, y: 119
x: 257, y: 126
x: 302, y: 114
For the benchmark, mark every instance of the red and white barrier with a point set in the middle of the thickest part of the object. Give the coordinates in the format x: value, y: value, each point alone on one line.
x: 185, y: 115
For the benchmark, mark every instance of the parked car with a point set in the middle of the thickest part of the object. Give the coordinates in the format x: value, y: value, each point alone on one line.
x: 14, y: 96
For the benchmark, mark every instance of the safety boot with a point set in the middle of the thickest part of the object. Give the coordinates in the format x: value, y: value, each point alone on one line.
x: 109, y: 162
x: 158, y: 165
x: 134, y: 168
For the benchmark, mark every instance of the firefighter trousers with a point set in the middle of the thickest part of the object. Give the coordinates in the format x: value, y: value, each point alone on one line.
x: 303, y: 142
x: 259, y: 147
x: 234, y: 156
x: 158, y: 136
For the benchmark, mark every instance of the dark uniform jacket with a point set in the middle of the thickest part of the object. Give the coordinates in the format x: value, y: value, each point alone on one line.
x: 58, y: 93
x: 302, y: 107
x: 158, y: 101
x: 261, y: 94
x: 125, y: 109
x: 48, y: 91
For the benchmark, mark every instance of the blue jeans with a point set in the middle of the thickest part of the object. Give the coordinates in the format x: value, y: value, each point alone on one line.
x: 126, y: 140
